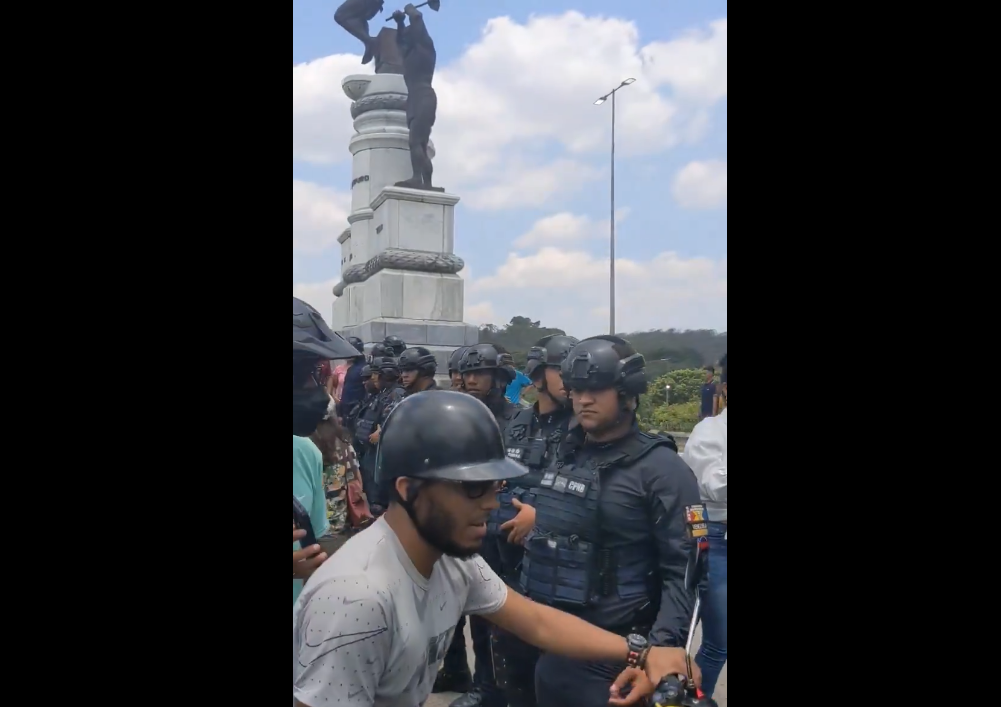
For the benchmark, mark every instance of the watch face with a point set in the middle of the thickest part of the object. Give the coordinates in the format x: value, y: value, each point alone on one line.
x: 635, y: 641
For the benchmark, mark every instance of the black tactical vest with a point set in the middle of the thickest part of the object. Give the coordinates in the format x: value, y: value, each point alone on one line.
x: 368, y: 419
x: 565, y: 564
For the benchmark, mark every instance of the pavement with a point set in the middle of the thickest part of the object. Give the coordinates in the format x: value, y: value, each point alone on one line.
x: 443, y: 700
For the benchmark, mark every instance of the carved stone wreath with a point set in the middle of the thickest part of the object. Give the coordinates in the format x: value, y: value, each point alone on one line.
x: 381, y: 101
x: 398, y: 259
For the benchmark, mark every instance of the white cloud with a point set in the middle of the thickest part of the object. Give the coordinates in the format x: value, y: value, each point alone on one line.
x: 480, y: 314
x: 321, y: 113
x: 566, y: 229
x: 515, y: 120
x: 569, y: 290
x: 319, y: 216
x: 701, y: 185
x: 528, y: 186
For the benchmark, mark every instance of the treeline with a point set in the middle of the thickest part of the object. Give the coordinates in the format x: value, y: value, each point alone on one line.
x: 665, y: 351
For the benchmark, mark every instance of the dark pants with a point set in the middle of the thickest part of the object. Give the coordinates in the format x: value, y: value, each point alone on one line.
x: 376, y: 496
x: 511, y: 681
x: 515, y: 661
x: 483, y: 675
x: 561, y: 682
x: 455, y: 660
x: 712, y: 657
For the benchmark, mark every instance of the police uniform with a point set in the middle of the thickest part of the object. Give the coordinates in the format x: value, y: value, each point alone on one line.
x: 533, y: 440
x: 610, y: 543
x: 372, y: 417
x: 478, y: 358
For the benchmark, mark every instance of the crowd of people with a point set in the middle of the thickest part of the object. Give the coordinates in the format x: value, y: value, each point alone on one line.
x: 561, y: 530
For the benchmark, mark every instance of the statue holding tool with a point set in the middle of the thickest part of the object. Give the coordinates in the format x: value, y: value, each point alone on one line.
x: 354, y: 16
x: 419, y: 61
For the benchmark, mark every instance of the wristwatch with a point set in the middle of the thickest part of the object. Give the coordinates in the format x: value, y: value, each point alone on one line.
x: 638, y: 648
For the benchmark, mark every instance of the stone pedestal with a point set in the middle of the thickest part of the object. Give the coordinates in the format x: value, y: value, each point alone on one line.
x: 398, y: 267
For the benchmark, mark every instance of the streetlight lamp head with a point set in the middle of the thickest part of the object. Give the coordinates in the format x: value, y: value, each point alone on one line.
x: 601, y: 100
x: 629, y: 82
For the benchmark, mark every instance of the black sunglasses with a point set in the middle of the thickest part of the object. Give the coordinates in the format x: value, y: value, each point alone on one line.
x: 476, y: 490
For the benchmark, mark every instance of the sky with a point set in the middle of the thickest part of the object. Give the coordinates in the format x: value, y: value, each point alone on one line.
x: 519, y: 140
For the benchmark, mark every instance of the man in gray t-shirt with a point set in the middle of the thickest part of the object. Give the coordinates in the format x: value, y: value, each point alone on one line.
x: 375, y: 621
x: 371, y: 630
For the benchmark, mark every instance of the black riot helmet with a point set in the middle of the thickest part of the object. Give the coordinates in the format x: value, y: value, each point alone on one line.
x: 536, y: 361
x: 489, y: 357
x: 453, y: 362
x: 420, y: 360
x: 312, y: 338
x: 388, y: 368
x: 366, y: 371
x: 395, y: 345
x: 603, y: 363
x: 379, y: 350
x: 550, y: 351
x: 358, y: 344
x: 463, y: 443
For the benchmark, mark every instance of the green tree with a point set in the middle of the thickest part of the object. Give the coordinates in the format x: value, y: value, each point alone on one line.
x: 665, y: 351
x: 686, y: 401
x: 686, y: 385
x: 517, y: 337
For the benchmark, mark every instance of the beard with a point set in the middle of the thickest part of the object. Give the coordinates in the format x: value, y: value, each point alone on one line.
x: 438, y: 530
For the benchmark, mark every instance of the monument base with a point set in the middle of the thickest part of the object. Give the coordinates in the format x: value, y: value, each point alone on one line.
x: 411, y: 287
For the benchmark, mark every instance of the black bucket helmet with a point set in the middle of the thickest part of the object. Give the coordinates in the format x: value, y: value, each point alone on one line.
x: 462, y: 443
x: 595, y: 364
x: 420, y: 360
x: 312, y: 338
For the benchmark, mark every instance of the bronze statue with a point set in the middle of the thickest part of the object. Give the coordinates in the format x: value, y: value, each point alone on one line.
x: 353, y: 15
x: 419, y: 60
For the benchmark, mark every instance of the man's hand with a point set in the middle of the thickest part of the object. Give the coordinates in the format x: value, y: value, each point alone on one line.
x: 306, y: 561
x: 635, y: 684
x: 399, y: 16
x: 662, y: 662
x: 409, y: 8
x: 521, y: 525
x: 375, y: 436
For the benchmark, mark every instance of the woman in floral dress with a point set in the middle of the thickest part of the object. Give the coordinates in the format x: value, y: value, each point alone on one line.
x: 347, y: 505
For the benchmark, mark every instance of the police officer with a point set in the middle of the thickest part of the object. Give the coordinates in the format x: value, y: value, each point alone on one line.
x: 455, y: 675
x: 394, y: 346
x: 353, y: 390
x: 391, y: 393
x: 365, y: 426
x: 611, y: 538
x: 453, y: 368
x: 352, y: 415
x: 486, y: 370
x: 532, y: 438
x: 417, y: 369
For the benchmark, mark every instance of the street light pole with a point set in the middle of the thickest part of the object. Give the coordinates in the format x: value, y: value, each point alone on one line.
x: 611, y: 297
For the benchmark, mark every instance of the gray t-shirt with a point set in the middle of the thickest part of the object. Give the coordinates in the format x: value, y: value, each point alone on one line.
x: 370, y: 631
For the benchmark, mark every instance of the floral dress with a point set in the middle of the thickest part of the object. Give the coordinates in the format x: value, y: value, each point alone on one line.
x: 337, y: 478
